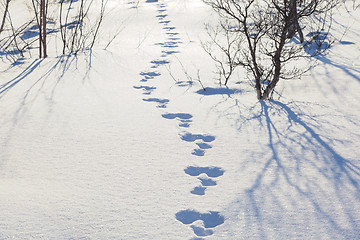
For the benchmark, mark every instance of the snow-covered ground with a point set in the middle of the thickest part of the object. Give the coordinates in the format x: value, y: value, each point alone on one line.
x: 123, y: 143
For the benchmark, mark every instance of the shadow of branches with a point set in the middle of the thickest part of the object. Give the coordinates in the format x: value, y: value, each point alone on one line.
x: 304, y: 182
x: 39, y: 78
x: 56, y: 68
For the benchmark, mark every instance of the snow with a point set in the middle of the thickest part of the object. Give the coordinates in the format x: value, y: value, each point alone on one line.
x: 123, y: 143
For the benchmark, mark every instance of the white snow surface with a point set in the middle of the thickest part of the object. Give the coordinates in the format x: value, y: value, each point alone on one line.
x: 123, y: 143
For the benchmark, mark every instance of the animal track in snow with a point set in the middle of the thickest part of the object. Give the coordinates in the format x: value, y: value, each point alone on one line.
x: 211, y: 172
x: 161, y: 16
x: 168, y: 28
x: 172, y: 34
x: 165, y: 22
x: 184, y: 118
x: 185, y: 83
x: 189, y: 137
x: 200, y: 231
x: 200, y: 190
x: 198, y: 152
x: 161, y: 102
x: 202, y: 224
x: 149, y: 75
x: 147, y: 90
x: 175, y: 39
x: 170, y: 44
x: 204, y: 145
x: 207, y: 181
x: 211, y: 219
x: 165, y: 53
x: 157, y: 63
x: 185, y: 123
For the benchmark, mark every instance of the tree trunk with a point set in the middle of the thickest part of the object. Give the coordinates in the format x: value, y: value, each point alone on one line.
x: 258, y: 89
x: 271, y: 86
x: 277, y: 63
x: 5, y: 14
x: 44, y: 14
x: 40, y: 15
x: 294, y: 22
x: 40, y: 30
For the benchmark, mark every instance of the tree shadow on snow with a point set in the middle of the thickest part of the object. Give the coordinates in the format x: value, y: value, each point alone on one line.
x: 218, y: 91
x: 351, y: 71
x: 61, y: 65
x: 49, y: 75
x: 303, y: 186
x: 342, y: 63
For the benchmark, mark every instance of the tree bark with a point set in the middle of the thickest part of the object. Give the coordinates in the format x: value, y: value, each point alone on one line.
x: 258, y: 89
x: 277, y: 64
x: 294, y: 22
x: 40, y: 30
x: 42, y: 27
x: 4, y: 16
x: 44, y: 32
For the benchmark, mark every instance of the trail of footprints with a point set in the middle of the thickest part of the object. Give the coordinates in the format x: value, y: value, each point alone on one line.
x: 207, y: 178
x: 201, y: 223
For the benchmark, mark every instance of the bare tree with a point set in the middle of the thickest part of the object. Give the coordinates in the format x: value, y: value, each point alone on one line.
x: 263, y: 37
x: 226, y: 63
x: 78, y: 24
x: 40, y: 9
x: 77, y: 31
x: 6, y: 9
x: 13, y: 42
